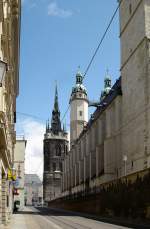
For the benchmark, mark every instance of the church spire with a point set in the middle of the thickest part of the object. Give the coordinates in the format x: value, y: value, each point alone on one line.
x: 55, y: 122
x: 56, y: 106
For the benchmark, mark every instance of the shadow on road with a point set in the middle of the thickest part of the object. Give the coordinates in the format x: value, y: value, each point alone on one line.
x: 48, y: 212
x: 45, y: 211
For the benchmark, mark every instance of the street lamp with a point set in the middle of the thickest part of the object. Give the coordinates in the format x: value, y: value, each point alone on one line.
x: 3, y: 69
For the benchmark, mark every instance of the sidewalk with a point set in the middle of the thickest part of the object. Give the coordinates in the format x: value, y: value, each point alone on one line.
x: 22, y: 221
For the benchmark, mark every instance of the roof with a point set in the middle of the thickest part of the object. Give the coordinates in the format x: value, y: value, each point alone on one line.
x: 104, y: 103
x: 32, y: 178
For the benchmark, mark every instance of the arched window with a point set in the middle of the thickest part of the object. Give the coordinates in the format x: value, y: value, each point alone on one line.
x: 66, y: 150
x: 60, y: 166
x: 58, y: 150
x: 54, y: 166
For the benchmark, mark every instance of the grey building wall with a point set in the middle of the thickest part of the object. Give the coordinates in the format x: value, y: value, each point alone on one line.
x: 116, y: 141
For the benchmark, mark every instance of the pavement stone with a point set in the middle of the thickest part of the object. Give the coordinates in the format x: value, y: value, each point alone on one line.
x: 20, y: 221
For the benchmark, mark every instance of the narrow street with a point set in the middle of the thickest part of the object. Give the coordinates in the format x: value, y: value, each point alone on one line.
x: 44, y: 218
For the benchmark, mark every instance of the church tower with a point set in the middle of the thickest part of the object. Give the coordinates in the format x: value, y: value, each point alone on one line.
x: 55, y: 149
x: 79, y: 109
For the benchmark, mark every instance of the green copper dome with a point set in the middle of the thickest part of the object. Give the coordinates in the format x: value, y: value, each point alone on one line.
x: 79, y: 78
x: 107, y: 86
x: 79, y: 87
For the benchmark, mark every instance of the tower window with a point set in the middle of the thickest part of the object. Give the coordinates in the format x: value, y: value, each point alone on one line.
x: 132, y: 164
x: 58, y: 150
x: 60, y: 166
x: 80, y: 113
x: 54, y: 166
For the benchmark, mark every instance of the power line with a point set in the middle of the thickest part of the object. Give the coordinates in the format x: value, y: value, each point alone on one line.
x: 101, y: 40
x: 97, y: 49
x: 30, y: 115
x: 88, y: 67
x: 65, y: 113
x: 36, y: 117
x: 61, y: 121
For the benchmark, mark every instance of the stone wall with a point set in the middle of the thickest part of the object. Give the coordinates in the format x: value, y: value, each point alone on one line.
x: 127, y: 197
x: 116, y: 140
x: 96, y: 155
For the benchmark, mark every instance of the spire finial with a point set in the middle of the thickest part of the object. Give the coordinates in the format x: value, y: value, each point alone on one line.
x: 56, y: 91
x: 65, y: 126
x: 107, y: 71
x: 48, y: 124
x: 55, y: 121
x: 56, y: 107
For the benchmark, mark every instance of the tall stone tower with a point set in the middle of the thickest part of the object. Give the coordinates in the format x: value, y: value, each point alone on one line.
x: 55, y: 148
x: 135, y: 77
x: 79, y: 108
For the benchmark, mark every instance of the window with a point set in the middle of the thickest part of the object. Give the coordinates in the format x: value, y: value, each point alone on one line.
x: 7, y: 200
x: 80, y: 113
x: 19, y: 171
x: 131, y: 164
x: 54, y: 166
x: 65, y: 149
x: 60, y: 166
x: 58, y: 150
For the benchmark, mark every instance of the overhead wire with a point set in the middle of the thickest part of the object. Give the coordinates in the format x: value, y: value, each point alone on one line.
x: 97, y: 49
x: 101, y: 40
x: 31, y: 116
x: 65, y: 113
x: 88, y: 66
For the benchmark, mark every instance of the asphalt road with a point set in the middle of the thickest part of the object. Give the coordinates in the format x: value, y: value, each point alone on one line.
x: 46, y: 218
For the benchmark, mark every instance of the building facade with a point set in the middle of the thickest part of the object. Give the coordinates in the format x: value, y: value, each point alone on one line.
x: 19, y: 165
x: 9, y: 88
x: 33, y: 190
x: 55, y: 148
x: 116, y: 141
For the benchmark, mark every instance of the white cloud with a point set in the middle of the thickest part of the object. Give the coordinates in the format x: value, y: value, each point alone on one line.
x: 54, y: 10
x: 34, y: 134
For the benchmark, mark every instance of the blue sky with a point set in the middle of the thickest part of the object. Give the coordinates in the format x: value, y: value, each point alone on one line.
x: 56, y: 37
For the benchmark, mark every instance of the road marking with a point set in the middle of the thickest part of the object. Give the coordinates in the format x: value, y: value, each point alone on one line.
x: 52, y: 224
